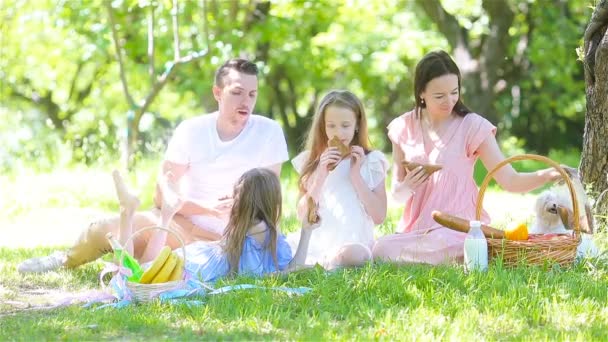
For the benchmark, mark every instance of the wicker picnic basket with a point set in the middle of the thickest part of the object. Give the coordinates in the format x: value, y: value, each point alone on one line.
x: 146, y: 292
x: 533, y: 252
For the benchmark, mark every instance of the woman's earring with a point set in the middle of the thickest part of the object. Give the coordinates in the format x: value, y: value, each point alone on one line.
x: 356, y: 130
x: 421, y: 100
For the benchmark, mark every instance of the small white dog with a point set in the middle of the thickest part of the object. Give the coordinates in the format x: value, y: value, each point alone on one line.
x: 554, y: 214
x: 548, y: 220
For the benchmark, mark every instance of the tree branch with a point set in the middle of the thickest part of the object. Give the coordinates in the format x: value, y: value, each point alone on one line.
x: 446, y: 23
x: 123, y: 77
x: 455, y: 34
x: 151, y: 68
x: 206, y: 24
x: 274, y: 79
x: 45, y: 102
x: 75, y: 80
x: 174, y: 12
x: 234, y: 8
x: 495, y: 48
x: 162, y: 80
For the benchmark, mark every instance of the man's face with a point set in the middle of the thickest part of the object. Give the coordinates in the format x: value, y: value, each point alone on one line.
x: 236, y: 99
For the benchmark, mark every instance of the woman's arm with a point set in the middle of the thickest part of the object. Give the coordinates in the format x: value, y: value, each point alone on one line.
x: 509, y: 179
x: 174, y: 173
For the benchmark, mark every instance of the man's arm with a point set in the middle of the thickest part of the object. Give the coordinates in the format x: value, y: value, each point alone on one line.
x: 174, y: 172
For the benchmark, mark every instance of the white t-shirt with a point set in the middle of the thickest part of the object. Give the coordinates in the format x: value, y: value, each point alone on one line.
x: 214, y: 166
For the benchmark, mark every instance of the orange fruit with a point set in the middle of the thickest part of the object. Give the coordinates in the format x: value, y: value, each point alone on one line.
x: 517, y: 231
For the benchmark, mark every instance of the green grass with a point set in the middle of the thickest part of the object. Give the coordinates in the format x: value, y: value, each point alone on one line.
x: 379, y: 301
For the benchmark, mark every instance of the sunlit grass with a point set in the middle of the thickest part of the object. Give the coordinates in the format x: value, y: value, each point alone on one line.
x: 375, y: 301
x: 380, y: 301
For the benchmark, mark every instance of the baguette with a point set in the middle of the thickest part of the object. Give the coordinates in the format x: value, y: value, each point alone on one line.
x: 462, y: 225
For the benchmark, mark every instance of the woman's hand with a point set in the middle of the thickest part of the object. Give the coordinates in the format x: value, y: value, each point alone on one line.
x: 412, y: 180
x: 330, y: 156
x: 357, y: 154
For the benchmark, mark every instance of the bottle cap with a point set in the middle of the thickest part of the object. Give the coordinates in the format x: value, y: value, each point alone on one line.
x: 475, y: 224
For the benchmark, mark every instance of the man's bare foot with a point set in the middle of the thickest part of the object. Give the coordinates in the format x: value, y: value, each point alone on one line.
x: 128, y: 201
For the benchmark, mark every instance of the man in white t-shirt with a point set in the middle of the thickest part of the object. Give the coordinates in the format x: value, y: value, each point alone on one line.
x: 205, y: 157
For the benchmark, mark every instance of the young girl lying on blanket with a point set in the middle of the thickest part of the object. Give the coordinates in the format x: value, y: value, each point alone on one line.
x: 252, y: 242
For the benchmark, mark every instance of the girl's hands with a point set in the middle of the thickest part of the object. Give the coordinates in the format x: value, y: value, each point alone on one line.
x: 306, y: 225
x: 412, y: 180
x: 330, y: 156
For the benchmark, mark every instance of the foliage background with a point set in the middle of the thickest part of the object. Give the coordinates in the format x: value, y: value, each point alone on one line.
x: 62, y: 102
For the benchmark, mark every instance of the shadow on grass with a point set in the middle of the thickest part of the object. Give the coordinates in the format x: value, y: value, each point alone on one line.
x: 379, y: 300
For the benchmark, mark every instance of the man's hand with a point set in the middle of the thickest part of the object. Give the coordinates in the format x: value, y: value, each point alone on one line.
x: 222, y: 208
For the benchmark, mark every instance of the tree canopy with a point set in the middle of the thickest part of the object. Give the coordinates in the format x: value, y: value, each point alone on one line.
x: 63, y: 98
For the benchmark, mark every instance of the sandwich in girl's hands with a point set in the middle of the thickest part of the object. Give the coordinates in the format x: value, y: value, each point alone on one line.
x: 429, y: 169
x: 343, y: 149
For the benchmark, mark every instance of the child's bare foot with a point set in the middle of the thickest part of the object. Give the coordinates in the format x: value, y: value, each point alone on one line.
x: 128, y: 201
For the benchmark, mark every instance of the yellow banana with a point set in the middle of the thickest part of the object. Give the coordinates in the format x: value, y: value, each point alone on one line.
x: 178, y: 271
x: 156, y: 266
x: 165, y: 272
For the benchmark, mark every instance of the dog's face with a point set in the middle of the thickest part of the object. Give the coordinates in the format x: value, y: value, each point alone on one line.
x: 546, y: 209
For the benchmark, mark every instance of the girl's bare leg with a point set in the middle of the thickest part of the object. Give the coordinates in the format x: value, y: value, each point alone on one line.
x: 351, y: 255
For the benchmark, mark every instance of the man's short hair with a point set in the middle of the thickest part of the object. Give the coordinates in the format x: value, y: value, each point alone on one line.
x: 239, y: 64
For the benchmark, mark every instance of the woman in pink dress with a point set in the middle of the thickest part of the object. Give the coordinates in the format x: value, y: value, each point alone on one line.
x: 442, y: 130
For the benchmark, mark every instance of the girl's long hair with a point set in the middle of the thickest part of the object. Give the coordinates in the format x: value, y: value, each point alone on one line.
x: 317, y: 139
x: 257, y: 198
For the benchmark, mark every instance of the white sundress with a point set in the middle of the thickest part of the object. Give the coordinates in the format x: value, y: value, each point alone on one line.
x: 344, y: 219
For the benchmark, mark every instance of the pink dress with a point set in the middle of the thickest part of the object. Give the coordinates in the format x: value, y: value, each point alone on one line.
x: 451, y: 190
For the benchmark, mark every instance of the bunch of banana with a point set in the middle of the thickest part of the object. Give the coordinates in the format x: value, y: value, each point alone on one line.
x: 167, y: 266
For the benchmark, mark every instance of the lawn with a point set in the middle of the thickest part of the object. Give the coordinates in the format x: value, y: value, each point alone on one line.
x: 379, y: 301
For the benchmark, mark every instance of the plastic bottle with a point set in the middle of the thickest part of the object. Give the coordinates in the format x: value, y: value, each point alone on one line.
x: 128, y: 261
x: 475, y: 248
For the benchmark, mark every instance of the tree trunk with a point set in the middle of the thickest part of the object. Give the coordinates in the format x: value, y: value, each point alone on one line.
x: 594, y: 161
x: 481, y: 66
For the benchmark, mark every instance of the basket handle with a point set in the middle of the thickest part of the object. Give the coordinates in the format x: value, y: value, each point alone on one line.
x: 179, y: 238
x: 490, y: 175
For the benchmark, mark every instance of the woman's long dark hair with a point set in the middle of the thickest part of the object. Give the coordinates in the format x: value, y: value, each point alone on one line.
x: 432, y: 65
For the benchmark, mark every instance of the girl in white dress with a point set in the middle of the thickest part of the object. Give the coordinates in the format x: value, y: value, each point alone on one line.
x: 351, y: 198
